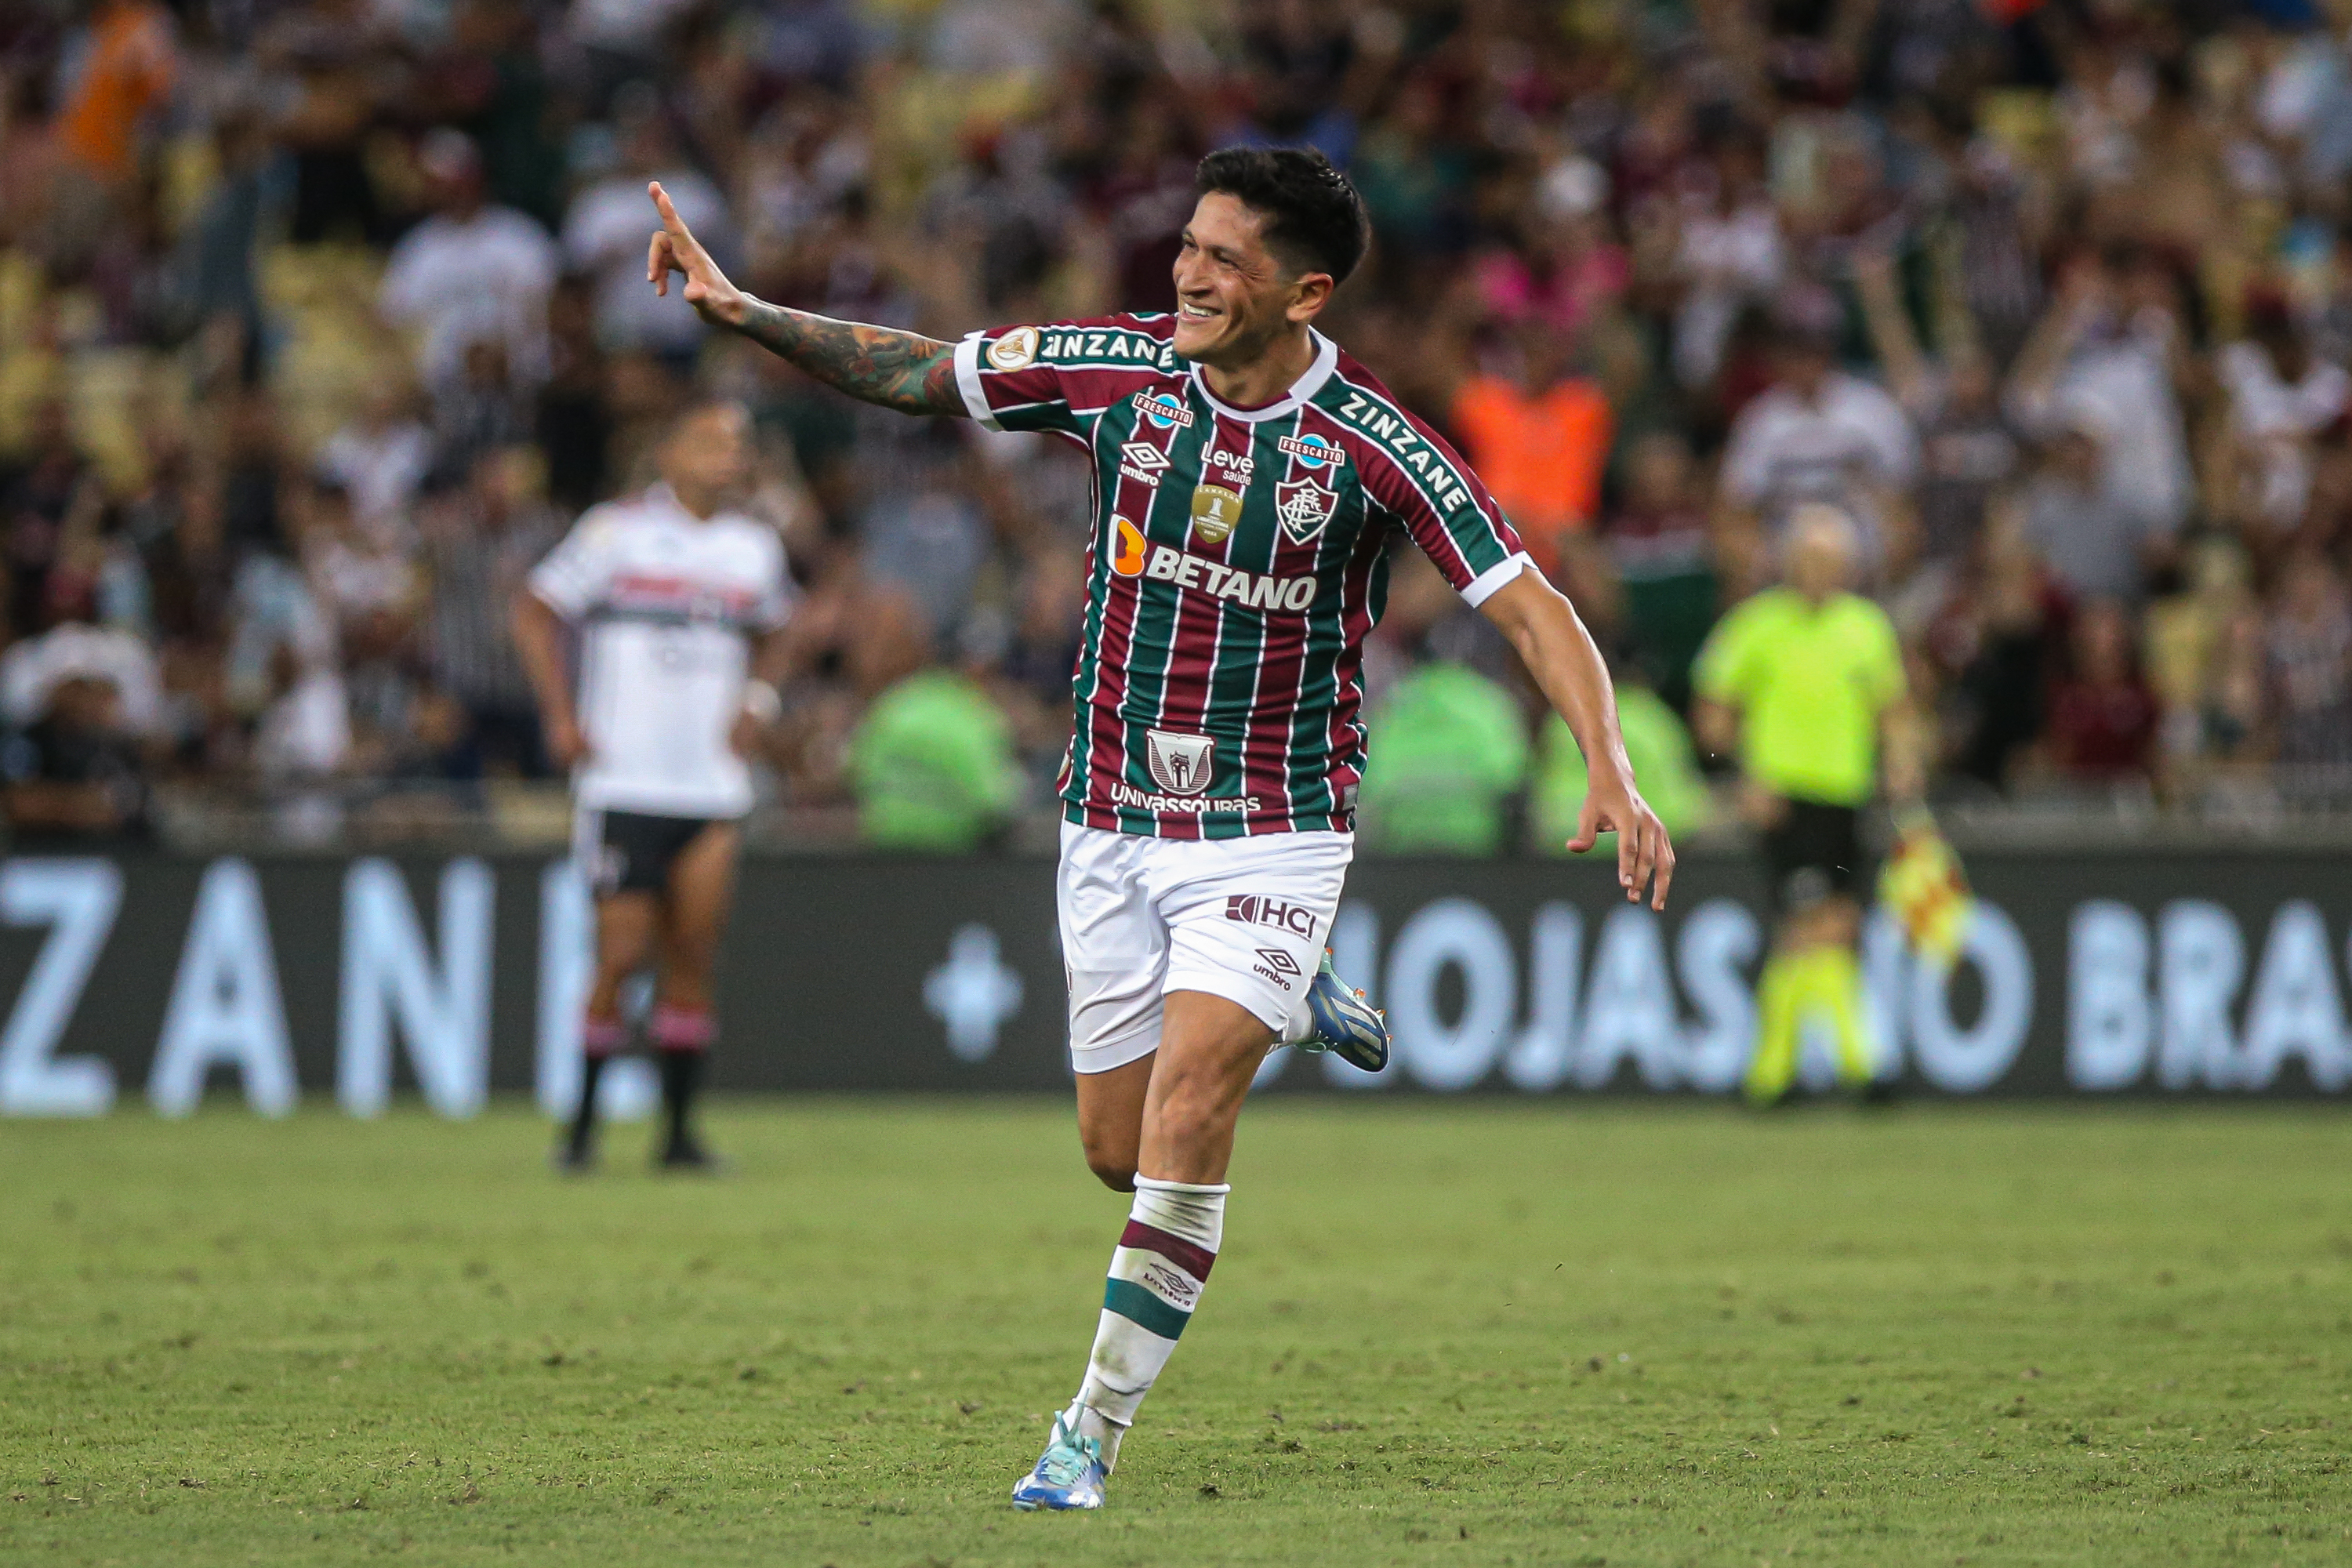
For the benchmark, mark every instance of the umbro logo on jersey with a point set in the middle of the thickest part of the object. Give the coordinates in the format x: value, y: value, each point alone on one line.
x: 1163, y: 409
x: 1275, y: 965
x: 1303, y: 507
x: 1312, y: 452
x: 1144, y: 462
x: 1257, y: 909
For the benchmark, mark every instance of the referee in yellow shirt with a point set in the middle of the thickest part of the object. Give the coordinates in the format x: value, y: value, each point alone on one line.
x: 1806, y: 681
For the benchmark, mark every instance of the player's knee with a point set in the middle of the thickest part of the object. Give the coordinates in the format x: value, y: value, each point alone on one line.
x: 1111, y: 1171
x: 1111, y: 1160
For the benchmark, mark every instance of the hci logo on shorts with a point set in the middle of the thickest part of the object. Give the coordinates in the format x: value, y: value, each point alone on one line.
x: 1181, y: 764
x: 1257, y: 909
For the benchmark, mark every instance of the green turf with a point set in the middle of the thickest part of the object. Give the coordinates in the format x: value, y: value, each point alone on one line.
x: 1440, y: 1333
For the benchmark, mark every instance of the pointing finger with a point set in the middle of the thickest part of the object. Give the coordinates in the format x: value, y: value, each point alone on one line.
x: 674, y: 224
x: 1666, y: 869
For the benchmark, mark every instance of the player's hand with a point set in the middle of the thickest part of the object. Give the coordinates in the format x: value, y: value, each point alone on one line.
x: 567, y: 743
x: 675, y: 249
x: 1646, y: 856
x: 750, y: 736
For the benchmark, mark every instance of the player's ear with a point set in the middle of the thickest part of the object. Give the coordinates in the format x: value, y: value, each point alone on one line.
x: 1309, y: 295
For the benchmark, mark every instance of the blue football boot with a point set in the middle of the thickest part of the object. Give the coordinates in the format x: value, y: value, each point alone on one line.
x: 1070, y: 1474
x: 1346, y: 1025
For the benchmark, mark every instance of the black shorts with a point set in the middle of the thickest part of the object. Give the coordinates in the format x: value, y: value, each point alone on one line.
x: 1814, y: 851
x: 632, y: 851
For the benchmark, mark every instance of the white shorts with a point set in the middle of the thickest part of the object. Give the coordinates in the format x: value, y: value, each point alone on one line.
x: 1244, y: 919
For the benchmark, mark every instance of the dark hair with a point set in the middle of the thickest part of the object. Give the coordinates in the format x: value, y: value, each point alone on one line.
x: 1314, y: 220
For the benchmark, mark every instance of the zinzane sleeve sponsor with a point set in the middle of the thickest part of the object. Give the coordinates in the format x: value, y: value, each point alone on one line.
x: 1410, y: 472
x: 1057, y: 376
x: 575, y: 574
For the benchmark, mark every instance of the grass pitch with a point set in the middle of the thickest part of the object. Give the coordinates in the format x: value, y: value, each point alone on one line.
x: 1462, y: 1333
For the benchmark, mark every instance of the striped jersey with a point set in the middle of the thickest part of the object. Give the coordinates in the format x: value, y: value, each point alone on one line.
x: 668, y: 604
x: 1237, y: 560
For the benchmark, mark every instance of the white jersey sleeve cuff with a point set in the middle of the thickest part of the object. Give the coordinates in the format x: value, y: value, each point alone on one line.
x: 1484, y: 585
x: 967, y: 369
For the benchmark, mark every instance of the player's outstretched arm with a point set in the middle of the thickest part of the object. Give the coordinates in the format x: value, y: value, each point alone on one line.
x: 1558, y: 652
x: 905, y: 371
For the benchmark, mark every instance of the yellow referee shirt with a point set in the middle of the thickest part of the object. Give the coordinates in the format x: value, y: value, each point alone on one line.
x: 1809, y: 684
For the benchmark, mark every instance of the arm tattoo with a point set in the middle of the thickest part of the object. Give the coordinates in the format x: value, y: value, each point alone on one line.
x: 874, y: 364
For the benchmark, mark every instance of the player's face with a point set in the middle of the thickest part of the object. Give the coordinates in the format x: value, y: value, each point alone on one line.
x: 711, y: 455
x: 1232, y: 298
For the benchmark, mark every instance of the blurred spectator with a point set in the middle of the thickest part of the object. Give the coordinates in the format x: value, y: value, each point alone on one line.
x: 479, y: 544
x: 604, y: 232
x: 1966, y: 450
x: 2103, y: 716
x: 121, y: 71
x: 2281, y: 396
x: 1453, y: 753
x: 36, y: 492
x: 2105, y: 352
x: 1539, y: 437
x: 933, y: 766
x: 33, y: 668
x: 471, y: 273
x: 380, y: 460
x: 2310, y: 659
x: 2097, y: 546
x: 1659, y: 548
x: 1822, y: 435
x: 1666, y: 765
x: 74, y: 773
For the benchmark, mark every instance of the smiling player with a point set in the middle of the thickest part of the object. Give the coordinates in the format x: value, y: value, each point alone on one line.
x: 1250, y: 478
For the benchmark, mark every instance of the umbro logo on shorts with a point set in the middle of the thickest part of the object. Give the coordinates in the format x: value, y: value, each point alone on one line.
x: 1277, y: 965
x: 1255, y: 909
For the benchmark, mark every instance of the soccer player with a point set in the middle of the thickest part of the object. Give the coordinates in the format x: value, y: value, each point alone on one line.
x: 680, y: 601
x: 1249, y: 479
x: 1807, y: 680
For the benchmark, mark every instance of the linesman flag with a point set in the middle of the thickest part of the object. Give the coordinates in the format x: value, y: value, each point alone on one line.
x: 1923, y: 884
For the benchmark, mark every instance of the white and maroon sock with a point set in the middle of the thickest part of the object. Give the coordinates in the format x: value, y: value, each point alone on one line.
x: 1162, y: 1261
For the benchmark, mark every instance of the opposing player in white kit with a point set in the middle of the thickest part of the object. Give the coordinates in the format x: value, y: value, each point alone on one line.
x: 1250, y: 479
x: 679, y: 601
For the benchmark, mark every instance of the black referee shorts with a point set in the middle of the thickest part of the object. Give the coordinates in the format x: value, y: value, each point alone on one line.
x: 632, y: 851
x: 1816, y: 850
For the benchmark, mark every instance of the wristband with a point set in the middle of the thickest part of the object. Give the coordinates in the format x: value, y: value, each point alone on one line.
x: 762, y: 702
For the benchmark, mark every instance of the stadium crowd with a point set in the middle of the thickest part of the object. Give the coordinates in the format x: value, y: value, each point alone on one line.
x: 320, y: 320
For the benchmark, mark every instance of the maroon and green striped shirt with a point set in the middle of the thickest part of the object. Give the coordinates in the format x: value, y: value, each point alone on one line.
x: 1237, y: 561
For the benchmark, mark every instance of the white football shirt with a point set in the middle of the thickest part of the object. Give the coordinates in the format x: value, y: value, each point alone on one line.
x: 668, y: 604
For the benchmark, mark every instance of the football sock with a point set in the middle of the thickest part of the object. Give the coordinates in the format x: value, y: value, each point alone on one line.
x: 600, y: 1039
x: 681, y: 1038
x: 1774, y: 1064
x: 1163, y: 1260
x: 1837, y: 991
